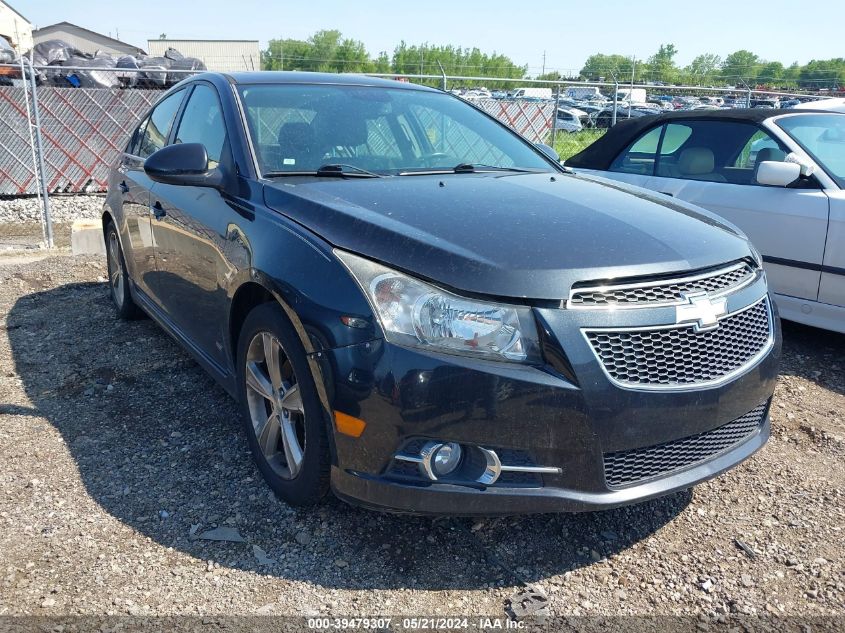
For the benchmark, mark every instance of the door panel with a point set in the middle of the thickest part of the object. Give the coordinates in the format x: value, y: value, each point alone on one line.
x: 193, y: 270
x: 832, y: 287
x: 786, y: 225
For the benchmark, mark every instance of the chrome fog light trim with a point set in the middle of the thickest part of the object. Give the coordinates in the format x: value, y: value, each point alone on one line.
x: 493, y: 470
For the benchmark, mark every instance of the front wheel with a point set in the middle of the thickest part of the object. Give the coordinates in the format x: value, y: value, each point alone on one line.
x: 280, y: 408
x: 119, y: 277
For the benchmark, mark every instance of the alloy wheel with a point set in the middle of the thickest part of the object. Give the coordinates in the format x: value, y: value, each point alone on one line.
x: 115, y: 269
x: 275, y: 405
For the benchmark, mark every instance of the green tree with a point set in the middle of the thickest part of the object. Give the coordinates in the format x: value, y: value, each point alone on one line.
x: 791, y: 75
x: 325, y: 51
x: 661, y: 65
x: 741, y: 66
x: 427, y: 59
x: 703, y: 70
x: 382, y: 63
x: 823, y: 73
x: 771, y: 74
x: 601, y: 66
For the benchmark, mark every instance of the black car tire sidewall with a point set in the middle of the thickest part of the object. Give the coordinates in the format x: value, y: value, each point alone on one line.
x: 312, y: 482
x: 126, y: 309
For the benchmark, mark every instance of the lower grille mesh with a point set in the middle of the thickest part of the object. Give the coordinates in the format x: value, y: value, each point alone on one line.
x: 634, y: 466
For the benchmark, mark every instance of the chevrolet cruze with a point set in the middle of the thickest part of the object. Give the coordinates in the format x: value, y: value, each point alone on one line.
x: 423, y: 312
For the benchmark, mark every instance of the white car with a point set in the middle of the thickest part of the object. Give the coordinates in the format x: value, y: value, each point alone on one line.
x: 779, y: 175
x: 569, y: 119
x: 836, y: 104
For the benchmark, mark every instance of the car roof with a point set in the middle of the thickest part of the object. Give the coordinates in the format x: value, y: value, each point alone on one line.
x: 604, y: 150
x: 297, y: 77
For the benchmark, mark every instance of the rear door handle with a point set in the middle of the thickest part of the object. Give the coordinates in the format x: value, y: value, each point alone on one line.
x: 668, y: 193
x: 158, y: 210
x: 124, y: 188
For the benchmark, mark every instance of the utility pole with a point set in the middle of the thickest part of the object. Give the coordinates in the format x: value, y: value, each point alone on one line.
x: 630, y: 94
x: 544, y: 63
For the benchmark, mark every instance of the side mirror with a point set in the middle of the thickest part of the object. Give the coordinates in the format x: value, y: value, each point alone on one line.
x: 777, y: 174
x: 549, y: 151
x: 182, y: 164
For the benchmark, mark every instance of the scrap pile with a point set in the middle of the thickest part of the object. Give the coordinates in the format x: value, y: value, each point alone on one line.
x: 70, y: 67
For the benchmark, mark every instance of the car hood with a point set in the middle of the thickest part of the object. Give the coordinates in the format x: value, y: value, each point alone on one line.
x: 508, y: 235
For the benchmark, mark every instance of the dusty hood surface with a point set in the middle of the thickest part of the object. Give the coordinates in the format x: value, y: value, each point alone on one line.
x: 509, y: 235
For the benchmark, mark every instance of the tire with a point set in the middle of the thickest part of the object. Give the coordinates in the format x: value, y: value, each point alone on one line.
x: 119, y: 277
x: 280, y: 409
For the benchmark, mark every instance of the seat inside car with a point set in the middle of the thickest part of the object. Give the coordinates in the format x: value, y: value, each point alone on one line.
x: 698, y: 163
x: 298, y: 147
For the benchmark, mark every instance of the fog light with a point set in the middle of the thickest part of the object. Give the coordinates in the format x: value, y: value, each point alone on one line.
x: 446, y: 459
x: 438, y: 460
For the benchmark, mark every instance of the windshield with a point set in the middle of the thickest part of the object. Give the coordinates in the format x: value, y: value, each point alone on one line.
x: 298, y: 128
x: 823, y: 137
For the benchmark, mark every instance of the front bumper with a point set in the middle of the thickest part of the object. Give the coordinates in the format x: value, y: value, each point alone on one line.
x: 378, y: 493
x: 554, y: 419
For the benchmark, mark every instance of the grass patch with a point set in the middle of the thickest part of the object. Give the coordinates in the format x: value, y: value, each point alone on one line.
x: 570, y: 143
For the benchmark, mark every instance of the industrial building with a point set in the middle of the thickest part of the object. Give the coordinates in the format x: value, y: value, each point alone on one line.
x: 85, y: 40
x: 217, y: 55
x: 15, y: 28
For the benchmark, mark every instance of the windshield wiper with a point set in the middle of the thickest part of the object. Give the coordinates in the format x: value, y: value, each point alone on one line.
x: 468, y: 168
x: 337, y: 170
x: 341, y: 169
x: 462, y: 168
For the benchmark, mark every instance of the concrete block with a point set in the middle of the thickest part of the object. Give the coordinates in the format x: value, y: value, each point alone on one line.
x: 86, y: 238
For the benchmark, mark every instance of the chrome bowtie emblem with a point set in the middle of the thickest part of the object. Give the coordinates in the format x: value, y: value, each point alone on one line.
x: 701, y: 310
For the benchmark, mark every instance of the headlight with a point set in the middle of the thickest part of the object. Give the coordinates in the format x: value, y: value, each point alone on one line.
x: 417, y: 314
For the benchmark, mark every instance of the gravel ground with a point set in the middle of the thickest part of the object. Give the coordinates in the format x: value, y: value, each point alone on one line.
x: 63, y: 209
x: 117, y: 453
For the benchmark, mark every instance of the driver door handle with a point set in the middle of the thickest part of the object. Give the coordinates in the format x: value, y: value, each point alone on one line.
x: 158, y: 210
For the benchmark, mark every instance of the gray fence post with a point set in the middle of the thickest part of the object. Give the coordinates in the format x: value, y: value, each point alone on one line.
x: 442, y: 72
x: 39, y: 148
x: 615, y: 100
x: 554, y: 116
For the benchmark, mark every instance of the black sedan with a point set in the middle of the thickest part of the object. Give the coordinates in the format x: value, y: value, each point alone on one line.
x: 422, y: 311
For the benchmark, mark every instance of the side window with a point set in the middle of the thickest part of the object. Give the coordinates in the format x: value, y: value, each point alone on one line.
x: 158, y: 125
x: 202, y: 122
x: 135, y: 139
x: 640, y: 155
x: 759, y: 147
x: 677, y: 134
x: 715, y: 151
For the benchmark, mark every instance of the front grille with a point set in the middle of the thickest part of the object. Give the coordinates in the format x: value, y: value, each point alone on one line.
x: 635, y: 466
x: 666, y: 357
x: 668, y: 292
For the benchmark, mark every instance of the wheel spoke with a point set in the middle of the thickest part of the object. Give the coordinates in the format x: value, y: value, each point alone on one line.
x: 258, y: 381
x: 272, y: 350
x: 268, y: 436
x: 293, y: 451
x: 292, y: 400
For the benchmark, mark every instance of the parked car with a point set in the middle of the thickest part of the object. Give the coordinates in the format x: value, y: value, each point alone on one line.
x: 603, y: 119
x: 533, y: 94
x: 418, y: 308
x: 569, y: 119
x: 779, y: 175
x: 834, y: 104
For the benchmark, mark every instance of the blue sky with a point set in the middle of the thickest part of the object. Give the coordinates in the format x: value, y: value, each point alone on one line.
x: 777, y: 30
